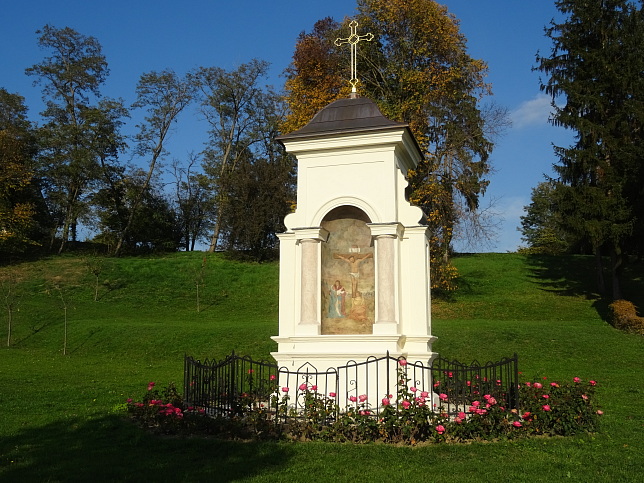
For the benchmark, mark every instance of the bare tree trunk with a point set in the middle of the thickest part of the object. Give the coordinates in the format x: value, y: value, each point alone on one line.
x: 599, y: 267
x: 10, y: 318
x: 616, y: 260
x: 215, y: 235
x: 65, y: 234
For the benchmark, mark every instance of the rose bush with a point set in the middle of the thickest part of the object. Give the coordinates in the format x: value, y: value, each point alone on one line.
x: 411, y: 416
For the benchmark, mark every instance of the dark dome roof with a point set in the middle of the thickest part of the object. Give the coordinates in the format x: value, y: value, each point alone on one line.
x: 343, y: 116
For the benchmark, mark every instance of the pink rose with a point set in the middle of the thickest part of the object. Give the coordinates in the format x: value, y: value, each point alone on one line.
x: 405, y: 404
x: 440, y: 429
x: 413, y: 389
x: 600, y: 412
x: 537, y: 385
x: 545, y: 396
x: 402, y: 362
x: 443, y: 396
x: 576, y: 379
x: 386, y: 401
x: 332, y: 394
x: 516, y: 424
x: 314, y: 387
x: 285, y: 389
x: 462, y: 415
x: 273, y: 377
x: 362, y: 398
x: 151, y: 385
x: 592, y: 383
x: 491, y: 401
x: 353, y: 399
x: 526, y: 415
x: 545, y: 407
x: 424, y: 394
x: 476, y: 403
x: 303, y: 387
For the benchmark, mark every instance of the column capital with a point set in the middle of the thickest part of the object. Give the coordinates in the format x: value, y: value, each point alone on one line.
x: 394, y: 230
x: 316, y: 233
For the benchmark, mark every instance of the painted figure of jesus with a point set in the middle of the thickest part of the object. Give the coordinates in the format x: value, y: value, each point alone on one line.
x: 354, y: 262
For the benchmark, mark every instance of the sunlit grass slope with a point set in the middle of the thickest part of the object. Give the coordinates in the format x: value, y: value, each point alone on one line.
x: 60, y: 416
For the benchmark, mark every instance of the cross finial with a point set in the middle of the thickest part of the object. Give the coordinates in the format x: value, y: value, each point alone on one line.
x: 353, y: 40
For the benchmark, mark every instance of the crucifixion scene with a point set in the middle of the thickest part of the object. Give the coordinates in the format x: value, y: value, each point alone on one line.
x: 354, y: 261
x: 348, y: 287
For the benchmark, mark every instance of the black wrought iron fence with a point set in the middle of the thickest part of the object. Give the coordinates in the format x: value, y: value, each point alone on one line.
x: 235, y: 385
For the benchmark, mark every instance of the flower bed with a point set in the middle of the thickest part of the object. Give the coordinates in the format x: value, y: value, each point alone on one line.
x: 409, y: 417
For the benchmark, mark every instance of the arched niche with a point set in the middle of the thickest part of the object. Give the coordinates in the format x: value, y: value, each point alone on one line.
x: 347, y: 273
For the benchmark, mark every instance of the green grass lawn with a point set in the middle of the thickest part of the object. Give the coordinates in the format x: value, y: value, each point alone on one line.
x: 61, y: 416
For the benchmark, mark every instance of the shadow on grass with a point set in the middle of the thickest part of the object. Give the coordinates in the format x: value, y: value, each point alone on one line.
x: 112, y: 449
x: 572, y: 276
x: 576, y: 276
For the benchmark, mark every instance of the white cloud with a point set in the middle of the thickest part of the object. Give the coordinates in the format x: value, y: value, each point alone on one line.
x: 512, y: 207
x: 533, y: 112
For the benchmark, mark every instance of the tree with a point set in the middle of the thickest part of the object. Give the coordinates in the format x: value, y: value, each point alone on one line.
x: 314, y: 77
x: 242, y: 115
x: 164, y: 95
x: 540, y: 226
x: 71, y: 75
x: 20, y: 209
x: 260, y: 190
x: 596, y: 65
x: 152, y: 221
x: 418, y: 71
x: 194, y: 203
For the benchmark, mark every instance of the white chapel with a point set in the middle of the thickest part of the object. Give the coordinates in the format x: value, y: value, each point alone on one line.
x: 354, y: 259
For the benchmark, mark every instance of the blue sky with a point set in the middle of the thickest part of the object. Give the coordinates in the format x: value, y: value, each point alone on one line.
x: 143, y: 35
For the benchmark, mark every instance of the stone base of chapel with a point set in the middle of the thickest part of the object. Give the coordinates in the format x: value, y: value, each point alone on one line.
x: 332, y: 351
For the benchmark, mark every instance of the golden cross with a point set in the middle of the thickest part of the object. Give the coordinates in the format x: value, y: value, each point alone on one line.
x: 353, y: 40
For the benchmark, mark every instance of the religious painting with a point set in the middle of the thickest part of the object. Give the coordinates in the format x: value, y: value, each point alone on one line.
x: 348, y: 273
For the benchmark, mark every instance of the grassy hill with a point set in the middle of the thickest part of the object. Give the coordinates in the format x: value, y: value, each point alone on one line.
x: 61, y: 418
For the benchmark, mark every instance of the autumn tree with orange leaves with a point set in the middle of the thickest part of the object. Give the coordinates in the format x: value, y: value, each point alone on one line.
x: 418, y: 71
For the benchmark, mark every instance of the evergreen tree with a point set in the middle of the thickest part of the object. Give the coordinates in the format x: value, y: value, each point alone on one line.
x: 540, y: 226
x: 596, y: 64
